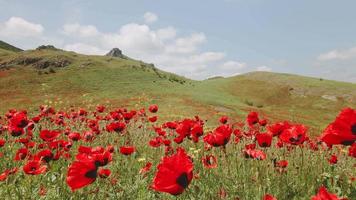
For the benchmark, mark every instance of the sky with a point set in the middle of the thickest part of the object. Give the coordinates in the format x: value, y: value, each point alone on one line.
x: 196, y: 38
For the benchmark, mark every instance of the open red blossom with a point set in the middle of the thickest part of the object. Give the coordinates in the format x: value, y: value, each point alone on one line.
x: 223, y: 119
x: 21, y: 154
x: 81, y: 173
x: 45, y: 155
x: 252, y: 118
x: 263, y: 122
x: 127, y: 150
x: 281, y: 164
x: 74, y: 136
x: 34, y: 167
x: 48, y: 135
x: 333, y: 159
x: 277, y: 128
x: 174, y: 173
x: 100, y: 108
x: 116, y: 127
x: 6, y: 173
x: 352, y: 150
x: 220, y: 136
x: 295, y: 135
x: 264, y: 139
x: 269, y: 197
x: 104, y: 173
x: 254, y: 154
x: 153, y: 108
x: 153, y: 119
x: 209, y: 161
x: 342, y: 130
x: 323, y: 194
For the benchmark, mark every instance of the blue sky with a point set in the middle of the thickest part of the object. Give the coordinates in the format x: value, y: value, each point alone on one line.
x: 197, y: 38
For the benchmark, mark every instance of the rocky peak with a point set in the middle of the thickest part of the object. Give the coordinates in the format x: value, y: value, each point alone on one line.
x: 115, y: 52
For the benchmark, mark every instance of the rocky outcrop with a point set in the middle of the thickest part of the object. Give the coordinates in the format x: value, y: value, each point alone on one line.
x: 115, y: 52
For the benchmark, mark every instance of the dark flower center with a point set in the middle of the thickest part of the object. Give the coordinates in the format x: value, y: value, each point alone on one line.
x: 182, y: 180
x: 347, y: 142
x: 353, y: 129
x: 264, y: 144
x: 91, y: 174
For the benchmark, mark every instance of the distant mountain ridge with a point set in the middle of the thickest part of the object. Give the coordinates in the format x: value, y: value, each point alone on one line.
x: 9, y: 47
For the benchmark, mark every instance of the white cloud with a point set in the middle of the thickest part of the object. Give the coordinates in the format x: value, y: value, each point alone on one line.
x: 233, y: 65
x: 84, y: 48
x: 150, y: 17
x: 167, y: 33
x: 181, y: 54
x: 82, y: 31
x: 18, y: 27
x: 338, y: 55
x: 264, y: 68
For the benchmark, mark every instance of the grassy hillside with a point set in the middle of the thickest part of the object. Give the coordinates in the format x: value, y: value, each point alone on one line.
x: 64, y: 79
x: 8, y: 47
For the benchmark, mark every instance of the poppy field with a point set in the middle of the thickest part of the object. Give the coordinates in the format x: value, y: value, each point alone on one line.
x: 123, y: 153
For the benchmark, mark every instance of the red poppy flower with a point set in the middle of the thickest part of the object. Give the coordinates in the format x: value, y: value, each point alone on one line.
x: 263, y: 122
x: 223, y: 119
x: 153, y: 108
x: 254, y: 154
x: 174, y: 173
x: 294, y: 135
x: 100, y: 108
x: 48, y: 135
x: 264, y: 139
x: 116, y: 126
x: 333, y: 159
x: 209, y: 161
x: 75, y: 136
x: 81, y: 173
x: 342, y: 130
x: 277, y: 128
x: 281, y: 164
x: 127, y: 150
x: 6, y: 173
x: 220, y: 136
x: 2, y: 142
x: 21, y: 154
x: 34, y: 167
x: 146, y: 168
x: 45, y: 155
x: 269, y: 197
x: 153, y: 119
x: 352, y: 150
x: 104, y: 173
x: 323, y: 194
x: 252, y: 118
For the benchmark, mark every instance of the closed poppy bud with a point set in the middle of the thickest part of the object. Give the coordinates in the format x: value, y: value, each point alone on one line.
x: 2, y: 142
x: 146, y: 168
x: 104, y: 173
x: 209, y: 161
x: 333, y: 159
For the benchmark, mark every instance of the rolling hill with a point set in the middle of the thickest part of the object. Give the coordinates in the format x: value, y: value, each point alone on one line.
x: 64, y: 79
